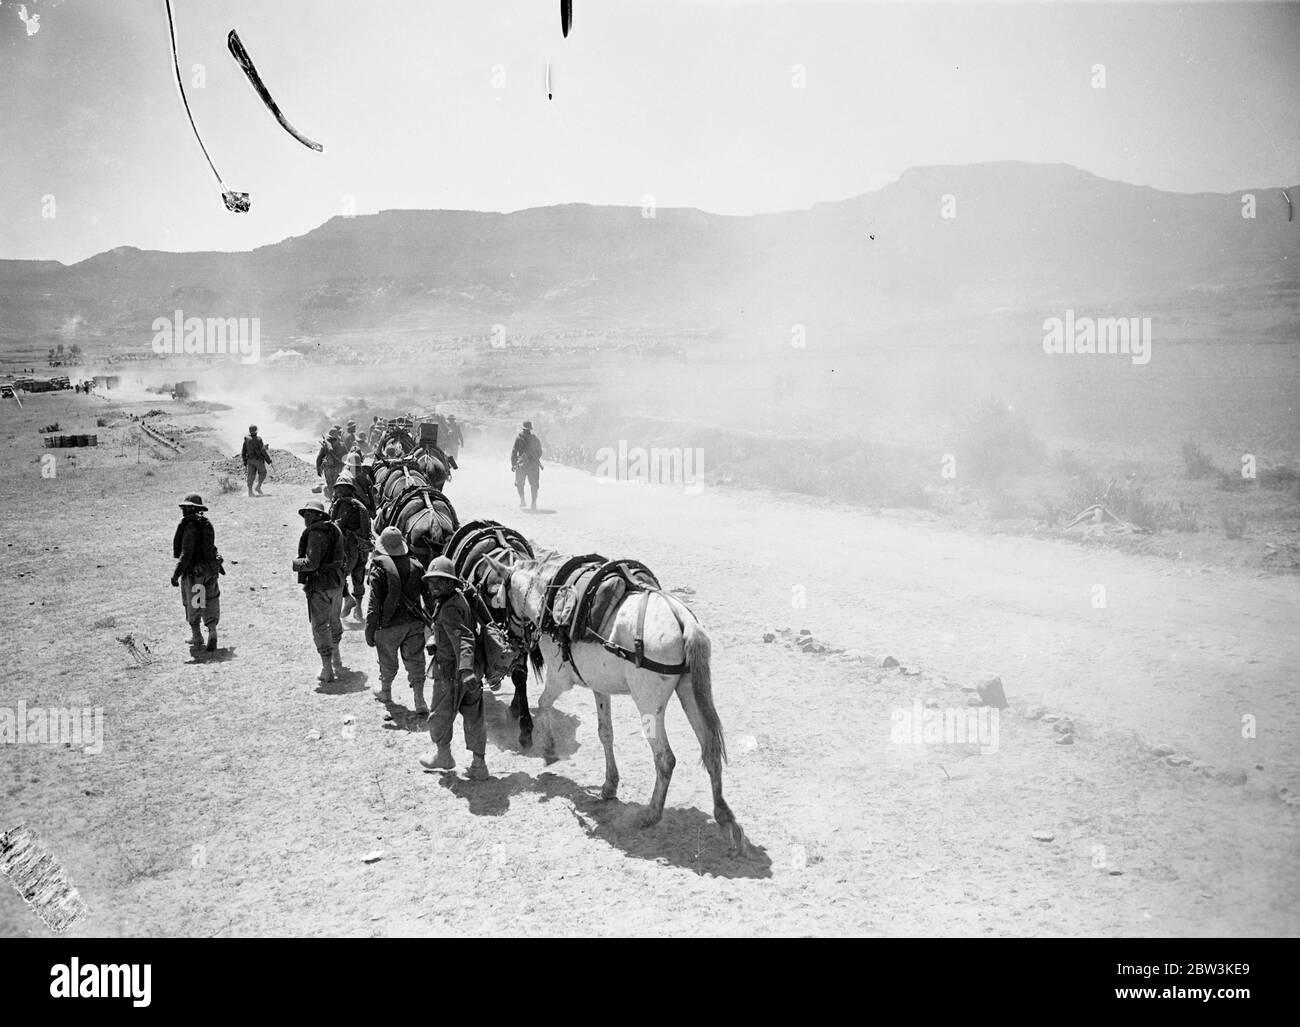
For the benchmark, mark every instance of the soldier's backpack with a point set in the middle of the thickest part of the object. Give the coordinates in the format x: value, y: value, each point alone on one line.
x: 493, y: 649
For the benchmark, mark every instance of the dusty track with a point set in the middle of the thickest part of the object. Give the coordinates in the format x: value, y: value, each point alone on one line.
x: 213, y: 810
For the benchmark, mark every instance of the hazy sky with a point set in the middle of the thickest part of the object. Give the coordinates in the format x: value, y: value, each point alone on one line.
x: 692, y: 102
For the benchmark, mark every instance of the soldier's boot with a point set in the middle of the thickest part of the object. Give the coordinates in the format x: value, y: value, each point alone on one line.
x: 348, y: 604
x: 440, y: 760
x: 212, y: 638
x: 534, y: 500
x: 421, y: 707
x: 383, y: 691
x: 196, y: 636
x: 326, y: 674
x: 250, y: 490
x: 478, y: 770
x: 522, y: 504
x: 336, y: 661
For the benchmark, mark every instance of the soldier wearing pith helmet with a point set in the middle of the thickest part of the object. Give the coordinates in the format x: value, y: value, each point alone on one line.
x: 198, y: 568
x: 321, y: 554
x: 457, y: 687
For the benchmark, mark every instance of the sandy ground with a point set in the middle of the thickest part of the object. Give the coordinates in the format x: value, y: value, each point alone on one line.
x: 235, y: 797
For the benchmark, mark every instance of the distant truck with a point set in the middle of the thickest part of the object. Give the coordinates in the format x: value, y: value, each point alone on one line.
x: 186, y: 390
x: 6, y: 391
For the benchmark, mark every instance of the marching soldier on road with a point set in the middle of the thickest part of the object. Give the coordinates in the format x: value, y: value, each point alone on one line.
x: 353, y: 519
x: 394, y: 619
x: 526, y: 461
x: 455, y: 437
x: 457, y: 687
x: 255, y: 456
x: 198, y: 567
x: 350, y: 436
x: 362, y: 471
x: 329, y: 461
x: 320, y: 572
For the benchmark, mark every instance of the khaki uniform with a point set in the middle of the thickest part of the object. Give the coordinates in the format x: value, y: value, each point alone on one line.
x: 453, y: 636
x: 353, y: 519
x: 256, y: 458
x: 320, y: 572
x: 393, y: 620
x: 526, y: 459
x: 329, y: 462
x: 198, y: 566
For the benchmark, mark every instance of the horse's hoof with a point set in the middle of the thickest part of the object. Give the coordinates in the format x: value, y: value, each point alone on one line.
x: 525, y: 739
x: 648, y: 818
x: 609, y: 792
x: 736, y: 845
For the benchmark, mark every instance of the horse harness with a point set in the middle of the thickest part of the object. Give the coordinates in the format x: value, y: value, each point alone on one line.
x: 597, y: 586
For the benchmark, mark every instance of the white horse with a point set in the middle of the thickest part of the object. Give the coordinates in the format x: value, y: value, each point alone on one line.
x: 672, y: 637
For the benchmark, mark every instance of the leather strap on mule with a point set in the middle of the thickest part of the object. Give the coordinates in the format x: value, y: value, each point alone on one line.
x: 637, y: 655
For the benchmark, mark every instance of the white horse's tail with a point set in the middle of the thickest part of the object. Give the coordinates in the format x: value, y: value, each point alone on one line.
x: 698, y: 652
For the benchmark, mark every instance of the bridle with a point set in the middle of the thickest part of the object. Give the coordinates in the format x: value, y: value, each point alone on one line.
x: 518, y: 626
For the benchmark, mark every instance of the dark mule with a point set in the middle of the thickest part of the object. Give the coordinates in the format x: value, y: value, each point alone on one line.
x: 473, y: 549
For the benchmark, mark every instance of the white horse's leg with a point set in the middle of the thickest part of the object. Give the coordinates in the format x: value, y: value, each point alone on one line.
x: 555, y: 687
x: 651, y: 700
x: 605, y: 728
x: 713, y: 764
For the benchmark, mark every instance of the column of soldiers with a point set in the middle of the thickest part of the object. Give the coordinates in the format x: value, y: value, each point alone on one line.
x: 411, y: 610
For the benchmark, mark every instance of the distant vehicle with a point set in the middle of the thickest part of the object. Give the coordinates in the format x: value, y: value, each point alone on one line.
x: 6, y: 391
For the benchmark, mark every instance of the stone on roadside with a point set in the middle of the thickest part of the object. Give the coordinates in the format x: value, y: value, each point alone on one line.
x: 769, y: 636
x: 990, y: 690
x: 1042, y: 836
x: 1067, y: 739
x: 1162, y: 750
x: 888, y: 661
x: 1231, y: 777
x: 1035, y: 712
x: 1179, y: 761
x: 1064, y: 726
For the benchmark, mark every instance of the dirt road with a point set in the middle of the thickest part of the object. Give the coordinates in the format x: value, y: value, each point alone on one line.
x: 234, y: 797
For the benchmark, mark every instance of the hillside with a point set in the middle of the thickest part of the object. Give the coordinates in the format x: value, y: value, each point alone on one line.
x: 1024, y: 235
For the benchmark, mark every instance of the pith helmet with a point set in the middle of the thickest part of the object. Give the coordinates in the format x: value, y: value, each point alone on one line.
x: 193, y: 500
x: 345, y: 480
x: 252, y: 429
x: 442, y: 567
x: 352, y: 424
x: 528, y: 425
x: 335, y: 432
x: 312, y: 505
x: 391, y: 541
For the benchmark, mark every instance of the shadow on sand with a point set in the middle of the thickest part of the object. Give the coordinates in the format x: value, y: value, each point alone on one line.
x: 686, y: 838
x: 503, y: 726
x: 399, y: 717
x: 344, y: 684
x: 222, y: 655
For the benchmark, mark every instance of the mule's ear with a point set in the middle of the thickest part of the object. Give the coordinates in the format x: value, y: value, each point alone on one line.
x: 496, y: 565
